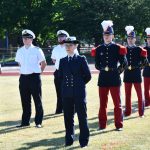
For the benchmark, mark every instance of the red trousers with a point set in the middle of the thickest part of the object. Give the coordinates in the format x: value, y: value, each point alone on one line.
x: 147, y: 90
x: 138, y: 88
x: 103, y: 95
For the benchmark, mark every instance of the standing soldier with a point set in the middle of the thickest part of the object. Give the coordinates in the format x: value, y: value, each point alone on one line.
x: 107, y: 57
x: 32, y: 63
x: 59, y: 52
x: 136, y: 57
x: 146, y: 72
x: 74, y: 75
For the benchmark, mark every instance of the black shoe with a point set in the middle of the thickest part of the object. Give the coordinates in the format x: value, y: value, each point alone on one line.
x: 84, y: 146
x: 101, y: 129
x: 69, y: 144
x: 23, y: 125
x: 66, y: 145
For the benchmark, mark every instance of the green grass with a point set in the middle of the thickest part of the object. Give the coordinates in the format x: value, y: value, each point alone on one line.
x: 136, y: 134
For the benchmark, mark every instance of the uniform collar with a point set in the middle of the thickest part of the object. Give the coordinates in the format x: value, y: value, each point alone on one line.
x: 31, y: 46
x: 71, y: 55
x: 108, y: 44
x: 131, y: 46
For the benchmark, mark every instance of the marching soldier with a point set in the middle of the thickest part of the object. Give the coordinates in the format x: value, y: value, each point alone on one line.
x: 32, y: 63
x: 136, y: 57
x: 74, y: 74
x: 59, y: 52
x: 107, y: 57
x: 146, y: 72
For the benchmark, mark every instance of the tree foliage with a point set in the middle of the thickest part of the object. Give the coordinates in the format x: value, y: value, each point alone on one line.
x: 81, y: 18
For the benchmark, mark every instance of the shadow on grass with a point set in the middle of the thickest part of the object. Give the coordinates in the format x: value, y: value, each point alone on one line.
x: 10, y: 126
x: 134, y: 107
x: 58, y: 143
x: 11, y: 123
x: 51, y: 144
x: 94, y: 126
x: 54, y: 143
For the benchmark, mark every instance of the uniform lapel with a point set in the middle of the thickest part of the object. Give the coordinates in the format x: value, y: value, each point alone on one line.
x: 69, y: 66
x: 74, y: 64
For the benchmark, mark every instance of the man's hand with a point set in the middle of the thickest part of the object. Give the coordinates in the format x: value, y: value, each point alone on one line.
x: 43, y: 65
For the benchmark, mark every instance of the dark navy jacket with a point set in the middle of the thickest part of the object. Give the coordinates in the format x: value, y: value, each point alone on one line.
x: 146, y: 72
x: 134, y: 56
x: 74, y: 76
x: 110, y: 55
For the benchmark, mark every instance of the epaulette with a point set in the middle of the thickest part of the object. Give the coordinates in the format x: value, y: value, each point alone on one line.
x: 93, y: 51
x: 122, y: 50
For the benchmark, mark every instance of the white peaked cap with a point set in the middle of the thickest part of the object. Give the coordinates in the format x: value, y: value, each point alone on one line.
x: 106, y: 23
x: 129, y: 29
x: 71, y: 38
x: 147, y: 30
x: 62, y: 32
x: 26, y: 31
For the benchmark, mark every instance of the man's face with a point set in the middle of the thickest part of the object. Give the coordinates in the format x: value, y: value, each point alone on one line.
x: 70, y: 47
x: 148, y: 41
x: 61, y: 38
x: 27, y: 41
x: 108, y: 38
x: 131, y: 40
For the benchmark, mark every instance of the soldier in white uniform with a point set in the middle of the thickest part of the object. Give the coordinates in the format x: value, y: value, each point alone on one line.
x: 32, y: 62
x: 58, y: 53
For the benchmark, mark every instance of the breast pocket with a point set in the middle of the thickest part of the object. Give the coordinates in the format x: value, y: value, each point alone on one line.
x: 33, y: 59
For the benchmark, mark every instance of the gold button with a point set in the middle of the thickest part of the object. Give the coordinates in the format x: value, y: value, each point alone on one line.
x: 106, y: 68
x: 129, y: 67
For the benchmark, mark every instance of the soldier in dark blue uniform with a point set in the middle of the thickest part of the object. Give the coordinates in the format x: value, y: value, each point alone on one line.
x: 136, y: 57
x: 74, y: 74
x: 146, y: 72
x: 107, y: 57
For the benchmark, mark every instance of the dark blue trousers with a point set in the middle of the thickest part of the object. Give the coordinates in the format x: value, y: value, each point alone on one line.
x: 57, y: 83
x: 70, y: 105
x: 30, y: 85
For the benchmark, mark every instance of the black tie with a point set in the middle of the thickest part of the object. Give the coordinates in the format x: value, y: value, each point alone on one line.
x: 70, y: 59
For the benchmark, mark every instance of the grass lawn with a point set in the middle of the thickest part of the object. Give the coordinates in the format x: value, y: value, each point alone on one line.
x: 136, y: 134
